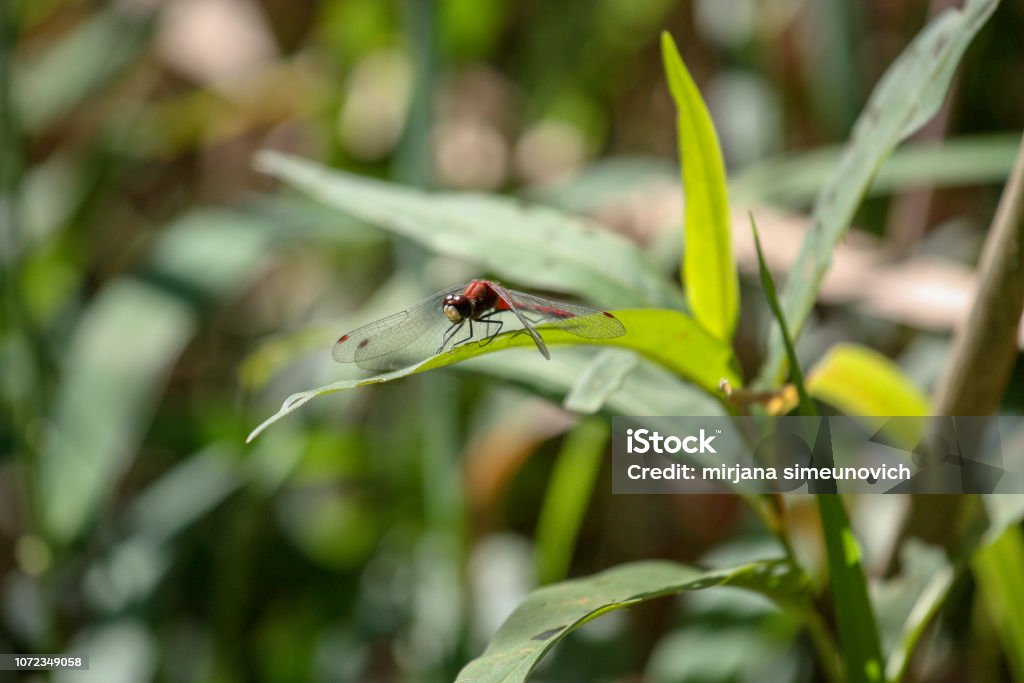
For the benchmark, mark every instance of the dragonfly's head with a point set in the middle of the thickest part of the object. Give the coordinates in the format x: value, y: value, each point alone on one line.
x: 457, y: 307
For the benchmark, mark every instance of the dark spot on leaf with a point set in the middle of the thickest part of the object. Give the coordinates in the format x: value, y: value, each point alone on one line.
x: 363, y: 343
x: 544, y: 635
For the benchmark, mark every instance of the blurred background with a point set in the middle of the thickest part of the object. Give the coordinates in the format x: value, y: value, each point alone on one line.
x: 161, y: 297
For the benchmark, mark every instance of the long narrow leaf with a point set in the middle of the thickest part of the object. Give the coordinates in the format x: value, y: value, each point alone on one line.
x: 806, y: 406
x: 858, y: 631
x: 908, y: 95
x: 568, y: 494
x: 708, y: 268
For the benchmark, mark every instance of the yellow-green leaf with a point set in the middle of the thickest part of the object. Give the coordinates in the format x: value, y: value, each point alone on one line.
x: 860, y: 381
x: 708, y: 268
x: 864, y: 383
x: 669, y: 338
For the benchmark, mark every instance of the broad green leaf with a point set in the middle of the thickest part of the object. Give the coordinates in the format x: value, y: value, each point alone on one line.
x: 709, y: 271
x: 649, y: 390
x: 860, y: 381
x: 551, y: 613
x: 602, y: 379
x: 858, y: 631
x: 999, y: 570
x: 532, y: 245
x: 806, y: 405
x: 668, y: 338
x: 568, y: 495
x: 907, y: 96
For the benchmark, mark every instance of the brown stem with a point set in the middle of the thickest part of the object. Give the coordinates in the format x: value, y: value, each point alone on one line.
x: 984, y: 349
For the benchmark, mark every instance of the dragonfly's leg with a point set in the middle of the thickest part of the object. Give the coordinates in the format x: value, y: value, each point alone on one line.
x: 467, y: 338
x: 448, y: 334
x: 492, y: 335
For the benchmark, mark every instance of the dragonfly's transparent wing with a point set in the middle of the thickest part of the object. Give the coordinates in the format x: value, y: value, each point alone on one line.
x: 399, y: 340
x: 422, y: 331
x: 582, y: 321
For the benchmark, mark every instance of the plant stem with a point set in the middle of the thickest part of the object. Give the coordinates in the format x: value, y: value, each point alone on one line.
x: 985, y: 347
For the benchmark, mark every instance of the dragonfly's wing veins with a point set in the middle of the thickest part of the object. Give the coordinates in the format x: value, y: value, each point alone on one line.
x: 582, y: 321
x: 417, y: 333
x: 399, y: 340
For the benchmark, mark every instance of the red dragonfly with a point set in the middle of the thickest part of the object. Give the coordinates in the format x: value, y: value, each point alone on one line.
x: 475, y: 312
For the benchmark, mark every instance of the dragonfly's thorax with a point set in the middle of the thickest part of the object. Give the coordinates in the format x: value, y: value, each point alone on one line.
x: 477, y: 299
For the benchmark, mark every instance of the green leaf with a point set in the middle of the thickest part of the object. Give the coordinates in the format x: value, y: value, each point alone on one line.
x: 858, y: 632
x: 601, y: 379
x: 533, y: 245
x: 551, y: 613
x: 568, y: 494
x: 806, y: 405
x: 907, y: 96
x: 795, y: 179
x: 862, y: 382
x: 709, y: 271
x: 669, y: 338
x: 999, y: 570
x: 648, y: 390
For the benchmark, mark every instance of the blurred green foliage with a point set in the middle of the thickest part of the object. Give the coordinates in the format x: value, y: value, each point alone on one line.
x: 161, y: 294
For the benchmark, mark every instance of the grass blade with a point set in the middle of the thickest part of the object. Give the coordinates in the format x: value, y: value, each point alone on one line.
x: 568, y: 494
x: 858, y: 631
x: 806, y: 405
